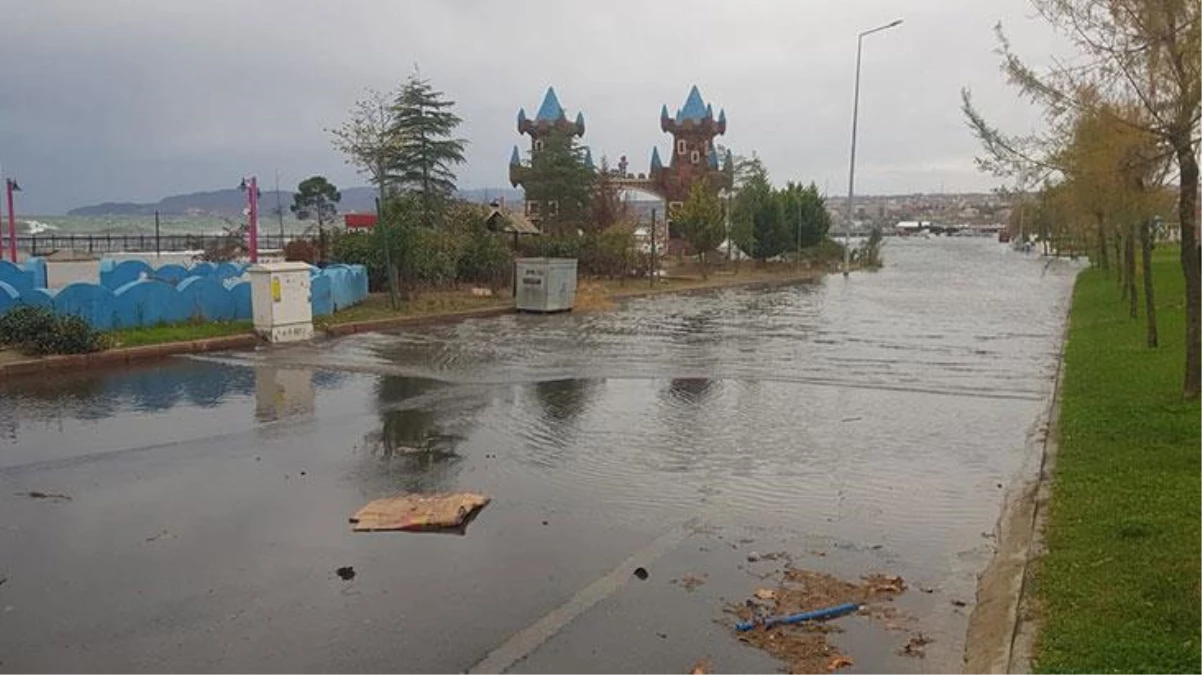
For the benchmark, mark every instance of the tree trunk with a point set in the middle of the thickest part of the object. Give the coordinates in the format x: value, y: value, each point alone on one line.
x: 1118, y: 257
x: 1187, y: 205
x: 1145, y: 246
x: 1129, y: 276
x: 1103, y: 258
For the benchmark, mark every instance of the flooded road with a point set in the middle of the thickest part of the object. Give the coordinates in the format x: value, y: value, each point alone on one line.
x: 861, y: 425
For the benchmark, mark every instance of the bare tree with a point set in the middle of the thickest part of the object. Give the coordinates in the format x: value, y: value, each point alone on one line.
x: 371, y: 144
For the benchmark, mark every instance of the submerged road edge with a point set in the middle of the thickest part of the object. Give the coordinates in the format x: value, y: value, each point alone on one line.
x: 526, y: 641
x: 1003, y: 627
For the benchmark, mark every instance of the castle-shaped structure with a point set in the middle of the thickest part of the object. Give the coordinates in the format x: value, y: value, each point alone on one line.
x: 550, y: 125
x: 693, y: 156
x: 692, y: 159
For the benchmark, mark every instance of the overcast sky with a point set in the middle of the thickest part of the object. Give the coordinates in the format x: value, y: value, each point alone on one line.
x: 135, y: 100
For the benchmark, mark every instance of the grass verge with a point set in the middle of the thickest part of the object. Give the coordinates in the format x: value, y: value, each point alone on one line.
x: 182, y: 332
x: 1119, y: 587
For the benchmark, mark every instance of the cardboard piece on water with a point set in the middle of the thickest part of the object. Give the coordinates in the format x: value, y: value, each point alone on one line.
x: 415, y: 513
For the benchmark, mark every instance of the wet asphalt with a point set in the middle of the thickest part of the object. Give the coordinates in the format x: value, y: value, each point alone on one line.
x: 855, y: 426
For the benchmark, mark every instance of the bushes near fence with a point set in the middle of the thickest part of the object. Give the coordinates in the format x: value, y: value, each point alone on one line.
x: 38, y: 331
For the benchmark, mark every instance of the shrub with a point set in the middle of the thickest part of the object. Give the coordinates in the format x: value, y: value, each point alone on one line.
x: 38, y: 331
x: 300, y: 250
x: 22, y: 321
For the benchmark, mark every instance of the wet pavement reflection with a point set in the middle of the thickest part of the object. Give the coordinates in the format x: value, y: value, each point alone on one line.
x: 871, y: 424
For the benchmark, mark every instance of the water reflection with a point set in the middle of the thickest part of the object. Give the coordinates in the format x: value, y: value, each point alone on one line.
x: 415, y: 448
x: 690, y: 390
x: 563, y: 400
x: 283, y: 392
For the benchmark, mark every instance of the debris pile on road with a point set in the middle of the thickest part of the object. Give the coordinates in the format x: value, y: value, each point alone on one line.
x: 788, y: 621
x: 417, y: 513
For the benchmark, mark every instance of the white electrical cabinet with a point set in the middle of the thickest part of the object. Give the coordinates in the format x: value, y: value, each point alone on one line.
x: 280, y: 301
x: 545, y: 284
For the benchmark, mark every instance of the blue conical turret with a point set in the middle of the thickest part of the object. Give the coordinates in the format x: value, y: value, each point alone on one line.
x: 694, y: 106
x: 521, y: 117
x: 580, y: 123
x: 588, y: 158
x: 550, y: 110
x: 663, y: 113
x: 515, y: 159
x: 712, y: 157
x: 656, y: 164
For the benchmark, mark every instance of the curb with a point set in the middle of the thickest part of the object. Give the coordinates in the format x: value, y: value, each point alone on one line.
x: 755, y: 283
x: 125, y: 355
x: 1000, y: 639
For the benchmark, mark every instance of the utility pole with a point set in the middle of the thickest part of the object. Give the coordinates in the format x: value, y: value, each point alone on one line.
x: 158, y: 249
x: 11, y: 186
x: 279, y: 207
x: 797, y: 260
x: 851, y: 172
x: 651, y: 272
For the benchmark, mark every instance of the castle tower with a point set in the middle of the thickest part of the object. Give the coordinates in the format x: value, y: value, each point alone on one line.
x: 693, y: 156
x: 550, y: 125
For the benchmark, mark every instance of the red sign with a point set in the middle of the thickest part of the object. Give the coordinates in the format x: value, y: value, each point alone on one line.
x: 354, y: 220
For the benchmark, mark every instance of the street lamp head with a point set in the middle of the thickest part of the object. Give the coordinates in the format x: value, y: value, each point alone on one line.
x: 896, y: 22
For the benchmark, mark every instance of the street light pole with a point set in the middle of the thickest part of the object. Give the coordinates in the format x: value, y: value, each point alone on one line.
x: 851, y: 172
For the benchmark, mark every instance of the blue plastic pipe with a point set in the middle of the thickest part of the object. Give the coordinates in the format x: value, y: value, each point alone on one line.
x: 827, y: 613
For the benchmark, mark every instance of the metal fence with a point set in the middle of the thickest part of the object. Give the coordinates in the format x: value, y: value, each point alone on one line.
x: 45, y: 244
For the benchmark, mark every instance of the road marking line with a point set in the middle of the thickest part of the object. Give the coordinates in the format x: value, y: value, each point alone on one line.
x: 523, y: 643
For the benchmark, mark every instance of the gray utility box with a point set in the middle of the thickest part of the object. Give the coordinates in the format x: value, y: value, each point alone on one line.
x: 545, y: 284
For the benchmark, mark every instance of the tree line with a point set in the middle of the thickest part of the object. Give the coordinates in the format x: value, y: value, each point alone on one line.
x: 1117, y: 166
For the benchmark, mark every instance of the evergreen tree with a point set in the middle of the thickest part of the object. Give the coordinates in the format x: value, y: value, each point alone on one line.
x: 427, y: 151
x: 316, y: 198
x: 804, y: 214
x: 757, y: 222
x: 561, y: 181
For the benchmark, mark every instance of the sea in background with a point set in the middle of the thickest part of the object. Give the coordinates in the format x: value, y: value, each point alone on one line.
x: 138, y: 224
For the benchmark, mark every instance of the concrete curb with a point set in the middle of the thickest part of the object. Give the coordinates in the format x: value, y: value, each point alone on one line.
x: 1002, y: 629
x: 122, y: 355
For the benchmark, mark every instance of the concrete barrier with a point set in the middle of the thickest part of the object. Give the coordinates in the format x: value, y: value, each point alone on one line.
x: 172, y: 293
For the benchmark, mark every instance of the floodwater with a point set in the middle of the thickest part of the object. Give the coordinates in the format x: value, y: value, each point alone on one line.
x: 859, y: 425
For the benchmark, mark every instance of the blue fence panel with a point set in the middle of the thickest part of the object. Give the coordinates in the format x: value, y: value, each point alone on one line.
x: 93, y: 302
x: 229, y: 270
x: 147, y: 303
x: 15, y: 276
x: 116, y: 273
x: 35, y: 266
x: 9, y: 297
x: 206, y: 299
x: 321, y: 296
x: 171, y: 273
x: 38, y: 297
x: 203, y: 269
x: 240, y: 292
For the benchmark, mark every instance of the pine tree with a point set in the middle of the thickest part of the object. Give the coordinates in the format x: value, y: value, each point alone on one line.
x: 562, y: 182
x: 424, y: 126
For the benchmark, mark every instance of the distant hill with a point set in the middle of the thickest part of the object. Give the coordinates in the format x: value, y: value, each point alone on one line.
x: 233, y: 201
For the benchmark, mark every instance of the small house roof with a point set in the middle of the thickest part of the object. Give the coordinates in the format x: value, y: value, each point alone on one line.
x: 512, y: 222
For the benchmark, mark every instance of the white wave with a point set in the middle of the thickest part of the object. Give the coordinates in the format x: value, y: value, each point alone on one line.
x: 38, y: 227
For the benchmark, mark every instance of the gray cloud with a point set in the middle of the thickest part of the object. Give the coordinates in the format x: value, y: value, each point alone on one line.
x: 138, y: 99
